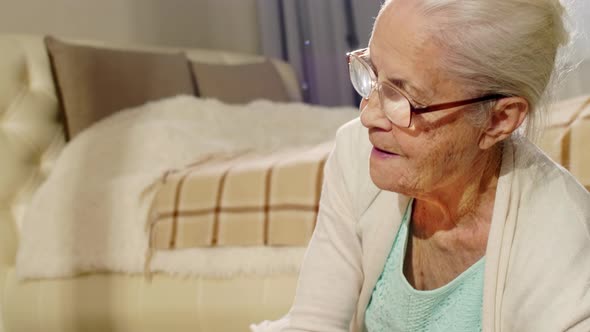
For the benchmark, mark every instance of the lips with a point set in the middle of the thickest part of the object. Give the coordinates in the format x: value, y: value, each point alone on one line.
x: 385, y: 152
x: 379, y: 147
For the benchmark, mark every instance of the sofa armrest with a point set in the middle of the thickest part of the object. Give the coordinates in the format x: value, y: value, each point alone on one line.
x: 8, y: 240
x: 8, y: 245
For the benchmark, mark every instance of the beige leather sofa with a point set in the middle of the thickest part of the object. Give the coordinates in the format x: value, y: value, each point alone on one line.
x: 31, y: 138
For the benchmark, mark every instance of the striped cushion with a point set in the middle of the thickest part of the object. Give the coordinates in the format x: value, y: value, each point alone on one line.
x: 579, y: 157
x: 246, y: 199
x: 567, y: 136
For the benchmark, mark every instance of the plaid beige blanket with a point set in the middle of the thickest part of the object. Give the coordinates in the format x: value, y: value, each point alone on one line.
x: 246, y: 199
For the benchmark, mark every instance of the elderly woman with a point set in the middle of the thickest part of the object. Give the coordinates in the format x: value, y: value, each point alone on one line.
x: 436, y: 215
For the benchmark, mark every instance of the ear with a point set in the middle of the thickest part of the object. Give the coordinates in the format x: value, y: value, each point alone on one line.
x: 507, y: 115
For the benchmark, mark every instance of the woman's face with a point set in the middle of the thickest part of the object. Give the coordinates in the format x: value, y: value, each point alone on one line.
x: 439, y: 148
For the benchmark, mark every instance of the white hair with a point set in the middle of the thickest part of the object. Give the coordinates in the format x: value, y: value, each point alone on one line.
x: 508, y: 47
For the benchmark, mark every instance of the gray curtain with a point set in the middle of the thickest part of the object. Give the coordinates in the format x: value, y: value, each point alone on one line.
x: 314, y: 36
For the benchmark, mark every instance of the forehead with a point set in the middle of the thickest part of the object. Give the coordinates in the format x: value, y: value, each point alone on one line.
x: 401, y: 47
x: 402, y: 22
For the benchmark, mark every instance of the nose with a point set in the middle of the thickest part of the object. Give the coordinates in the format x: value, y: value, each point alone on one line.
x: 372, y: 115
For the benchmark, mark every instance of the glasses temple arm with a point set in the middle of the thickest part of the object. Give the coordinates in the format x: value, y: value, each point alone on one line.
x: 438, y: 107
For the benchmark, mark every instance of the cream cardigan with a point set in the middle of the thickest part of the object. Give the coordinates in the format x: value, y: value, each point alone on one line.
x: 537, y: 275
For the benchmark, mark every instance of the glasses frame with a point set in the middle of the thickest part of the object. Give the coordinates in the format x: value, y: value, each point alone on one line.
x: 414, y: 108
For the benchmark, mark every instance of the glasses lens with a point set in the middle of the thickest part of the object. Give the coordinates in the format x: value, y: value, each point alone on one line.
x: 395, y: 105
x: 360, y: 76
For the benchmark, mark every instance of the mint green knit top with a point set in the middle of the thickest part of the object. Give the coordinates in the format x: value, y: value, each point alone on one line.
x: 396, y: 306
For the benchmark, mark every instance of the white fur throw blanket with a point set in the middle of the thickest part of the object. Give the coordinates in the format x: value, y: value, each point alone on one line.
x: 91, y: 213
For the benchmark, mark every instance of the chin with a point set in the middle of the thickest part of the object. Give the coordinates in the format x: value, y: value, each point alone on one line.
x: 390, y: 181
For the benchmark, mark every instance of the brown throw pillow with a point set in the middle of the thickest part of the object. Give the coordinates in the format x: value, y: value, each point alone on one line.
x: 240, y: 84
x: 96, y: 82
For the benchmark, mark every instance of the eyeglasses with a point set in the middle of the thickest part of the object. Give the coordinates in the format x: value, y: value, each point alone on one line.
x: 395, y: 103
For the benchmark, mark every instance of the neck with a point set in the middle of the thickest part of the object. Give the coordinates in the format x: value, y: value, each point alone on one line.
x: 464, y: 202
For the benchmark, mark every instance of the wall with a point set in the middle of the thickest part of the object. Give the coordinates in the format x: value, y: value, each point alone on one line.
x: 217, y: 24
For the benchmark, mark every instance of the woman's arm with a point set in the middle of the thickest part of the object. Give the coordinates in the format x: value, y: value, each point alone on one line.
x: 331, y: 275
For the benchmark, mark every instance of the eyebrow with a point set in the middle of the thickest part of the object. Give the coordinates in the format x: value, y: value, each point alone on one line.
x: 405, y: 85
x: 401, y: 83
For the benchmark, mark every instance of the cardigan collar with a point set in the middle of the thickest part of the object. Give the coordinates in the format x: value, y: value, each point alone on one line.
x: 381, y: 219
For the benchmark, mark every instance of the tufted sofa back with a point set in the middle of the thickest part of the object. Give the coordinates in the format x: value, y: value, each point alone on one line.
x: 31, y: 134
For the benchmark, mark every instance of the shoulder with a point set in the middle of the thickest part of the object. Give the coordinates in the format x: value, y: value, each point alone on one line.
x: 550, y: 189
x: 548, y: 266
